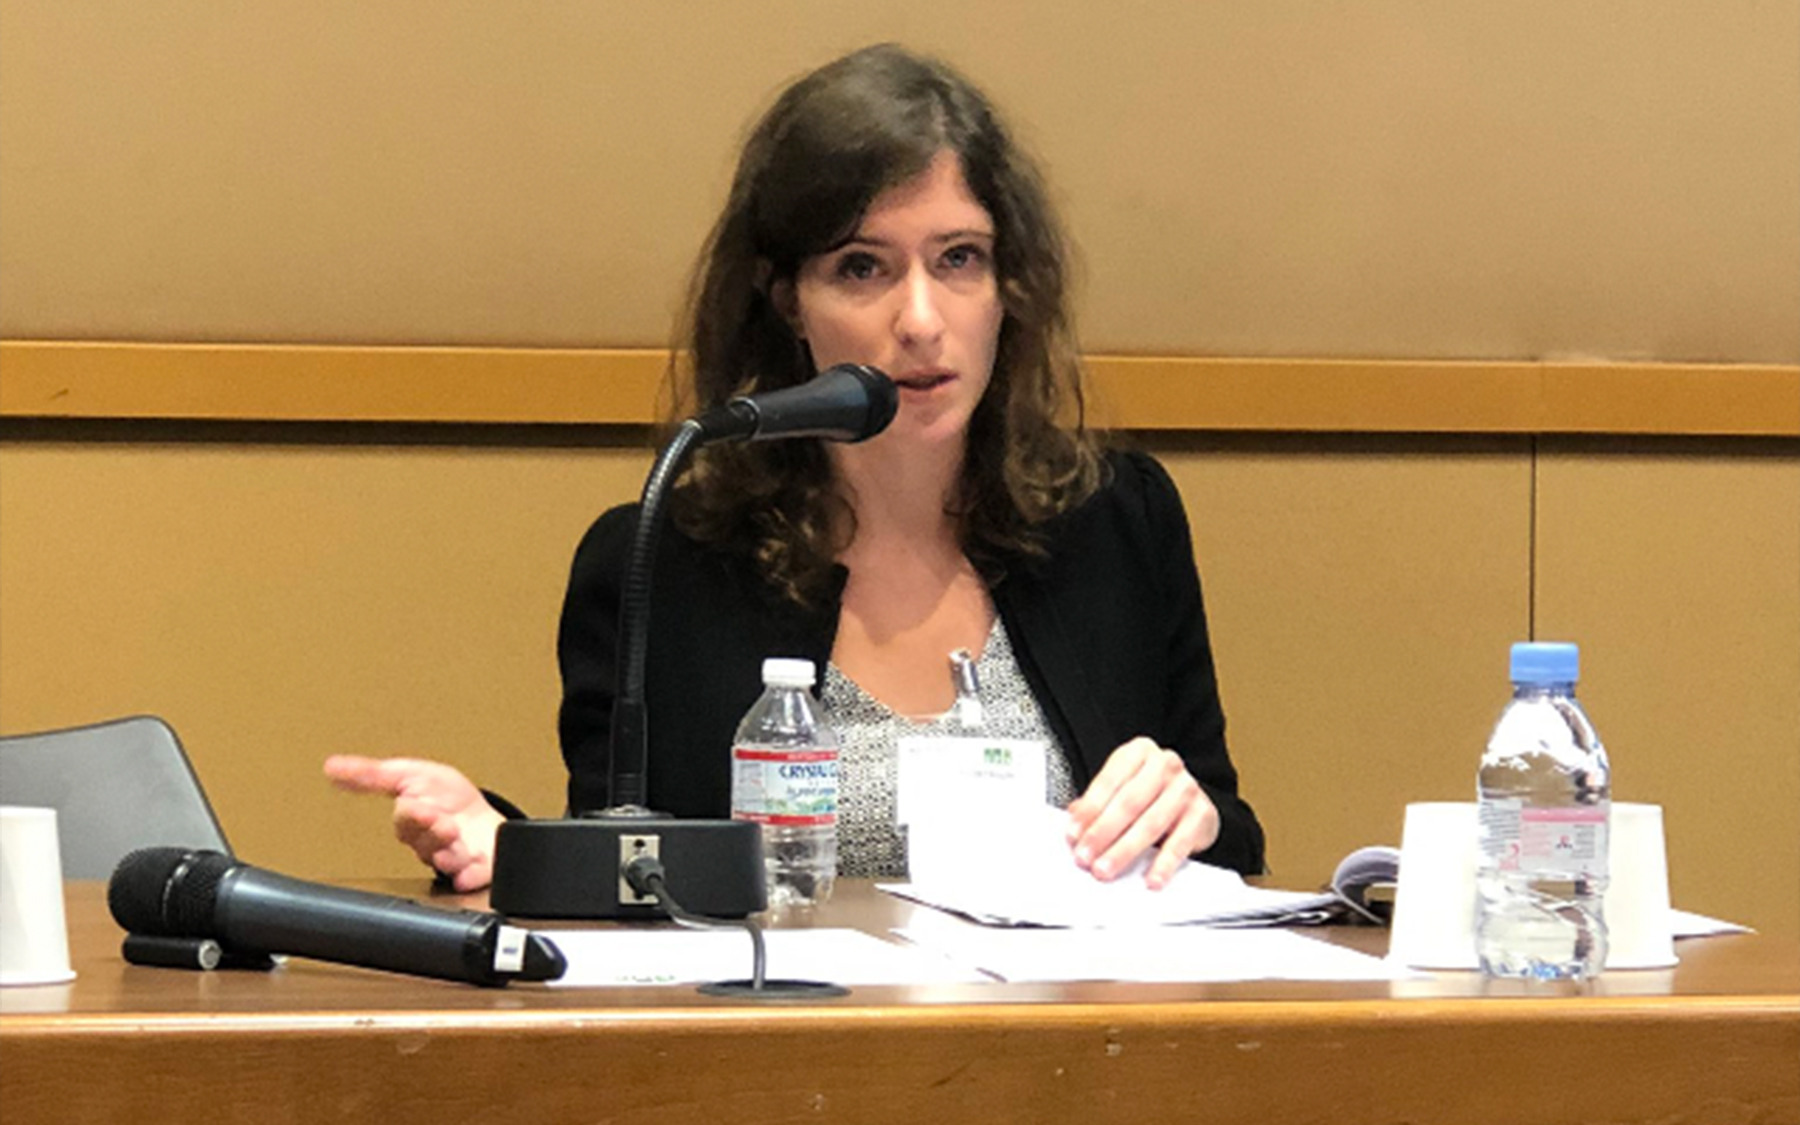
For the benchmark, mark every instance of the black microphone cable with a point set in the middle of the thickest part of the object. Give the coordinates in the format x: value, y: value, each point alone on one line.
x: 645, y: 875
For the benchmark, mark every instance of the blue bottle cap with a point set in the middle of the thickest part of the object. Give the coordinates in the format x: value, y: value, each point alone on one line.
x: 1545, y: 662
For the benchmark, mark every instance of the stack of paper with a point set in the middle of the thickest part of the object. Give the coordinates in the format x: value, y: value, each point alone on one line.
x: 1017, y: 871
x: 1152, y: 953
x: 614, y: 957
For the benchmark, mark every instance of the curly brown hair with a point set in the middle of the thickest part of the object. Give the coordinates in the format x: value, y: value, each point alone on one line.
x: 831, y: 143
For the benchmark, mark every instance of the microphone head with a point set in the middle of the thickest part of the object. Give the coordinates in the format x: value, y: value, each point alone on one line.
x: 167, y: 892
x: 849, y: 402
x: 884, y: 398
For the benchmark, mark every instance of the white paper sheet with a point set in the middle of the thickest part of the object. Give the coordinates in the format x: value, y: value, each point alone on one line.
x: 1160, y: 953
x: 1686, y: 924
x: 1018, y: 871
x: 604, y: 958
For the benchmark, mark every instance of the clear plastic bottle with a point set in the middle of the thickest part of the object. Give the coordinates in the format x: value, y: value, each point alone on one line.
x: 1545, y: 795
x: 784, y: 764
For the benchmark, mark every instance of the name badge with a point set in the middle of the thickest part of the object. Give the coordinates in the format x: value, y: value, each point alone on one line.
x: 947, y: 775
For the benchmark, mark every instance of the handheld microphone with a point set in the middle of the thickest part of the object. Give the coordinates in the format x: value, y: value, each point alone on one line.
x: 183, y: 893
x: 849, y: 402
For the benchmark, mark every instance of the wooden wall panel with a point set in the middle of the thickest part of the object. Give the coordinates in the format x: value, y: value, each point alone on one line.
x: 1362, y: 595
x: 549, y: 386
x: 1678, y: 571
x: 278, y: 603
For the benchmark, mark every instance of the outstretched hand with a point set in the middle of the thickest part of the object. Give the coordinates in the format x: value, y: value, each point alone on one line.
x: 438, y: 812
x: 1143, y: 798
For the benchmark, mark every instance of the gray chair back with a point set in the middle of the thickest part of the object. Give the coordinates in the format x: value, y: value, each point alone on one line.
x: 115, y: 786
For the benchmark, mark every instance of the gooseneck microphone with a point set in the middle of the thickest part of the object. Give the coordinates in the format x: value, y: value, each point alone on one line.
x: 849, y: 402
x: 185, y: 893
x: 576, y: 868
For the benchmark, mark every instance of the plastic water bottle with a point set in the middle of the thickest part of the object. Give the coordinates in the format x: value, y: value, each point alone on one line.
x: 1545, y: 802
x: 784, y: 765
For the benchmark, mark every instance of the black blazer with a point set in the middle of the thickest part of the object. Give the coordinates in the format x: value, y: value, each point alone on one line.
x: 1109, y: 629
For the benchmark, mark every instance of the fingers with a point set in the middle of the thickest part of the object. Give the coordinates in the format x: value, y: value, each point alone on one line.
x: 374, y: 775
x: 1195, y: 831
x: 1129, y: 783
x: 458, y: 843
x: 438, y: 813
x: 476, y: 876
x: 1121, y: 765
x: 1141, y: 813
x: 467, y: 851
x: 1143, y: 795
x: 350, y: 771
x: 403, y: 777
x: 430, y: 830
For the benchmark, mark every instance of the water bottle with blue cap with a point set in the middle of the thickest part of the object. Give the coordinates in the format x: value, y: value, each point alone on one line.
x: 1545, y: 795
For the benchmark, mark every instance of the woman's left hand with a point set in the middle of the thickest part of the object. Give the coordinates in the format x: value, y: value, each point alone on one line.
x: 1143, y: 797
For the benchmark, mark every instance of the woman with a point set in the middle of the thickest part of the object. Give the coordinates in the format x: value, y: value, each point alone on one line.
x: 881, y: 215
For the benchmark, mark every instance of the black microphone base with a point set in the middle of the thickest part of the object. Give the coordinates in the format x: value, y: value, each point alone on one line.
x: 575, y: 868
x: 774, y: 989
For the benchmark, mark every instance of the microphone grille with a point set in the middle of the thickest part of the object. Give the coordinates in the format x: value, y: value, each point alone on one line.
x: 884, y: 399
x: 167, y: 892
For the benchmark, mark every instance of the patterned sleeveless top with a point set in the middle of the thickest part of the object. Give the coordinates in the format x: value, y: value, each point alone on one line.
x: 870, y: 844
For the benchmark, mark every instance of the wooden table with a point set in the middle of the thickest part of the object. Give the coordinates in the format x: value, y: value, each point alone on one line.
x: 1717, y: 1039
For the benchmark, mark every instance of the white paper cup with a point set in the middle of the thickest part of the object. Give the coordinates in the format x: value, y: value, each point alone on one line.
x: 34, y: 935
x: 1434, y: 903
x: 1639, y: 934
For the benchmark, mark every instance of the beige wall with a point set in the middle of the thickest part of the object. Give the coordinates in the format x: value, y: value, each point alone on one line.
x: 1390, y: 179
x: 279, y: 603
x: 1680, y: 569
x: 1386, y: 178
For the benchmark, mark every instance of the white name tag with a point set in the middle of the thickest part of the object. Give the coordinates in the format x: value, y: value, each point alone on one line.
x: 946, y: 775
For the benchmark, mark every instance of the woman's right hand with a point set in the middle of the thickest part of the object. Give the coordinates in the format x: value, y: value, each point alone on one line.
x: 438, y: 812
